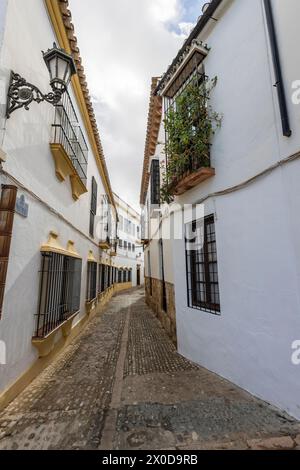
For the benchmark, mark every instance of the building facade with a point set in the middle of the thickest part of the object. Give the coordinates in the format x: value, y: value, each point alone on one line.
x: 130, y: 255
x: 233, y: 180
x: 58, y: 213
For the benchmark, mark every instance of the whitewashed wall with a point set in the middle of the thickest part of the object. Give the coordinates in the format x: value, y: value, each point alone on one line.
x: 26, y: 141
x: 257, y: 227
x: 126, y: 257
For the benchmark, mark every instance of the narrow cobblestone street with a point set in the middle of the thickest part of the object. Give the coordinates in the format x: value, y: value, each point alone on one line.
x: 122, y: 385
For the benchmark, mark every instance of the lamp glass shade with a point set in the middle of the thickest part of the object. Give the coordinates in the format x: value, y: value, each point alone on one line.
x: 61, y: 67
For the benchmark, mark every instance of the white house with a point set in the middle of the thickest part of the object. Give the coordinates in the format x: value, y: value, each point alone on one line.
x: 237, y: 285
x: 130, y: 256
x: 58, y: 214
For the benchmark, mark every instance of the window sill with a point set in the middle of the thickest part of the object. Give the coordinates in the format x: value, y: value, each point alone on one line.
x: 46, y: 345
x: 65, y: 168
x: 191, y: 180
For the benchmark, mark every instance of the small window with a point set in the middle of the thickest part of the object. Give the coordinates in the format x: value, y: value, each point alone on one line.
x: 120, y: 243
x: 129, y: 246
x: 125, y: 245
x: 133, y: 248
x: 91, y: 281
x: 202, y: 266
x: 59, y: 291
x: 93, y: 210
x: 155, y: 183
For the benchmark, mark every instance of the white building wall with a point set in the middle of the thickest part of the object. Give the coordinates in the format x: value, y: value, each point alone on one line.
x: 130, y: 259
x: 257, y: 227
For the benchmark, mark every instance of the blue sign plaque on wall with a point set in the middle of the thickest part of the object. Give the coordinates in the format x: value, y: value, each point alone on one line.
x: 22, y: 207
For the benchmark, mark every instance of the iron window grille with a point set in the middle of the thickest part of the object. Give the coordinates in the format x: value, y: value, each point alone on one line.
x: 199, y: 78
x: 155, y: 182
x: 162, y: 266
x: 60, y: 286
x: 68, y: 133
x: 91, y: 281
x: 202, y: 266
x: 93, y: 209
x: 100, y: 278
x: 103, y: 278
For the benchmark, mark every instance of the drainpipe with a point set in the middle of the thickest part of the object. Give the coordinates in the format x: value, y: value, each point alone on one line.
x: 7, y: 213
x: 277, y: 69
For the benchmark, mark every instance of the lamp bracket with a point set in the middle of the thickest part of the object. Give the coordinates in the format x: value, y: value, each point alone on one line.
x: 21, y: 94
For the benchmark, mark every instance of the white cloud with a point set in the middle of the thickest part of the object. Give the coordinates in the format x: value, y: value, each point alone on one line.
x: 164, y: 10
x: 123, y: 44
x: 185, y: 28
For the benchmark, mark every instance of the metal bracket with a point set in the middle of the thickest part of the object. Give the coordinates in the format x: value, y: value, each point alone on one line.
x: 21, y: 94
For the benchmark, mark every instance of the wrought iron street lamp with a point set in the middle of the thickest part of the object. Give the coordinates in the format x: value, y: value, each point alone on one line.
x: 21, y: 94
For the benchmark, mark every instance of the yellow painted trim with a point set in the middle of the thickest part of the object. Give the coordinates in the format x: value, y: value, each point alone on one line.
x: 91, y: 257
x: 71, y: 250
x: 53, y: 246
x: 62, y: 37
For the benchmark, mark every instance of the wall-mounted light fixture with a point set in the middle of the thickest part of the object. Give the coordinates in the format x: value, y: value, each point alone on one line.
x: 61, y: 67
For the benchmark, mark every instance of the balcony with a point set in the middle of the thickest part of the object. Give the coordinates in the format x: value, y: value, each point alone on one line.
x: 190, y: 175
x: 190, y: 124
x: 69, y: 148
x: 105, y: 244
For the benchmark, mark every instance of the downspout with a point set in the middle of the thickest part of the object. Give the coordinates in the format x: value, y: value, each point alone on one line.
x: 277, y: 69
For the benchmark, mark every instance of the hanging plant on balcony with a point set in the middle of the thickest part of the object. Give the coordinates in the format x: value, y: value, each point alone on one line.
x: 189, y: 123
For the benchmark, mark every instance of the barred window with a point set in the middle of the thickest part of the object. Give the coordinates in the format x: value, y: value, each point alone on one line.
x: 155, y: 182
x: 93, y: 209
x: 60, y: 287
x: 202, y: 266
x: 91, y: 281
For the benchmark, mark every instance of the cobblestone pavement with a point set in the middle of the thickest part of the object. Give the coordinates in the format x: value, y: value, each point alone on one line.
x: 122, y: 385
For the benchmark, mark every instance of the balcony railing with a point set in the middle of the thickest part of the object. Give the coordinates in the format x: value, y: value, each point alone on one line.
x: 67, y: 132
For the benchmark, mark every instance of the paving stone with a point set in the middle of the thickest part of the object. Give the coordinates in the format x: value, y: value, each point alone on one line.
x: 273, y: 443
x: 166, y: 401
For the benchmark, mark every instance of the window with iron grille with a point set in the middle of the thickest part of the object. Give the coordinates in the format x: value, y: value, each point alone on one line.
x: 202, y: 266
x: 93, y: 210
x: 91, y: 293
x: 67, y: 132
x: 60, y: 286
x: 155, y: 182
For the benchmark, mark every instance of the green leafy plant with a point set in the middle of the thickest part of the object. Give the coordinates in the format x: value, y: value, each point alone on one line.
x: 189, y: 123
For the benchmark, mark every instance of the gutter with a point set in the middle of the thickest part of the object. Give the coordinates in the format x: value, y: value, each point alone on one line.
x: 204, y: 19
x: 286, y: 129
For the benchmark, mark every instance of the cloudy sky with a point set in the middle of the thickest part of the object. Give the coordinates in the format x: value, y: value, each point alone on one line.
x: 123, y: 44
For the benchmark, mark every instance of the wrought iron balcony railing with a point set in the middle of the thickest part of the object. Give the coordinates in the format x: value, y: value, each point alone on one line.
x: 67, y: 132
